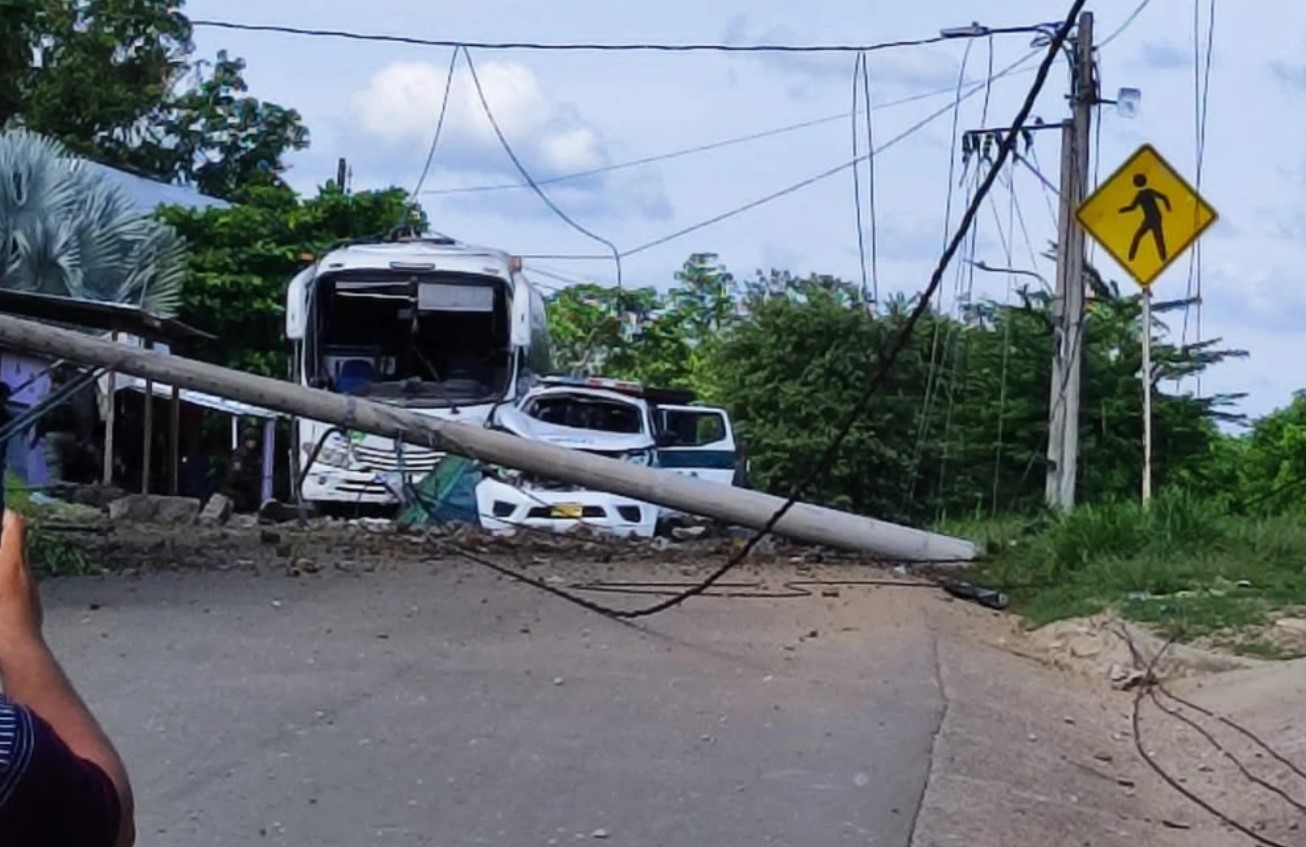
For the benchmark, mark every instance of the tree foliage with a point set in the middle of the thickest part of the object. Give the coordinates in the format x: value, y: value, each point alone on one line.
x: 242, y: 258
x: 66, y: 230
x: 117, y: 81
x: 958, y: 428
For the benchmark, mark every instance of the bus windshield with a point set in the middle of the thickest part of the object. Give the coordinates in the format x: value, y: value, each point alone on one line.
x: 426, y: 340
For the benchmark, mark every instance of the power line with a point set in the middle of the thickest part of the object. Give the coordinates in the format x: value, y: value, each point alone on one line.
x: 606, y: 48
x: 525, y: 174
x: 931, y: 376
x: 790, y: 189
x: 875, y: 378
x: 870, y: 174
x: 1201, y: 100
x: 858, y: 64
x: 1138, y: 10
x: 439, y: 125
x: 698, y: 148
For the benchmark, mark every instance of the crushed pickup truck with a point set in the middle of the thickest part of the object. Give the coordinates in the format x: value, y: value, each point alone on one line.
x: 613, y: 418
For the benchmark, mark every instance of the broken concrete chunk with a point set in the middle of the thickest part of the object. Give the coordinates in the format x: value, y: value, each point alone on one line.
x: 217, y: 511
x: 155, y: 508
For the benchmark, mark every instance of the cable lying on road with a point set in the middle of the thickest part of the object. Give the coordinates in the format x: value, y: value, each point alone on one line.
x: 1145, y: 686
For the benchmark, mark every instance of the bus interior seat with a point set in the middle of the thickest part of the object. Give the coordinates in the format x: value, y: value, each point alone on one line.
x: 354, y: 375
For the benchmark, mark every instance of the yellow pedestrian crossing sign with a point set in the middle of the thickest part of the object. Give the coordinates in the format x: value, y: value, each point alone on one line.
x: 1145, y: 215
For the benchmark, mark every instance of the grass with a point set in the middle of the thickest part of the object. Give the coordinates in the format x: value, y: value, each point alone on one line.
x: 1184, y: 565
x: 50, y: 553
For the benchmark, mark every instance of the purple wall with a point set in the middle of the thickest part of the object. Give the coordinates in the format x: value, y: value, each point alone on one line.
x: 16, y: 369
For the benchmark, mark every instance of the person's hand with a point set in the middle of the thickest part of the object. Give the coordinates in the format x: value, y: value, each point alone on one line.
x: 20, y: 604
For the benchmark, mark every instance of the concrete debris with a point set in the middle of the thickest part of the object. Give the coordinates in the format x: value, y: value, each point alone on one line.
x: 96, y: 496
x: 155, y: 508
x: 217, y: 511
x: 600, y: 833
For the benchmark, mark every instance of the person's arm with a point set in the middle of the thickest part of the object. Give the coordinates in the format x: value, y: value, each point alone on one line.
x: 32, y: 677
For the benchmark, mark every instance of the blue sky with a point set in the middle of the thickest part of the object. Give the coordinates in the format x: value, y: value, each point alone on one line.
x: 376, y: 105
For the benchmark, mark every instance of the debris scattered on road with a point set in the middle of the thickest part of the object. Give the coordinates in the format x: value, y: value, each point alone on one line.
x: 599, y: 833
x: 1166, y: 822
x: 557, y: 680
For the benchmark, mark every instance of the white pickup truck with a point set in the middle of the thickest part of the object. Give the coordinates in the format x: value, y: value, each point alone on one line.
x: 614, y: 418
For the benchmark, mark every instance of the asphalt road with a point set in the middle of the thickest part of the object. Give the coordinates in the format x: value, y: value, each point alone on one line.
x: 439, y: 705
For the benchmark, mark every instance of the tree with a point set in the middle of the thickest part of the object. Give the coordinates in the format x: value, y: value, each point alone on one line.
x: 959, y: 426
x: 66, y: 230
x: 642, y: 334
x: 241, y: 260
x: 116, y: 81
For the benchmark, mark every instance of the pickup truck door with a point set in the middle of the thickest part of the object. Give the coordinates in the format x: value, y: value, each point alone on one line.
x: 696, y: 441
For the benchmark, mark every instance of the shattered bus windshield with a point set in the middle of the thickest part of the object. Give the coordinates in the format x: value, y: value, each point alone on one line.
x: 431, y: 340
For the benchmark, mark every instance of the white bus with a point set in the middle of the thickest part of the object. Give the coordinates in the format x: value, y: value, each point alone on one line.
x: 439, y: 327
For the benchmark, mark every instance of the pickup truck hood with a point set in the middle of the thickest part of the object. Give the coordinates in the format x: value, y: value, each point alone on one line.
x: 521, y: 424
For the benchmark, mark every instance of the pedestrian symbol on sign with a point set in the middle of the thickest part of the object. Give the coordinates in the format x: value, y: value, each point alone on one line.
x: 1146, y: 200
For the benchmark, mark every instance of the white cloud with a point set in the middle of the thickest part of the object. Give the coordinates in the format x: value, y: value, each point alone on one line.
x: 401, y: 102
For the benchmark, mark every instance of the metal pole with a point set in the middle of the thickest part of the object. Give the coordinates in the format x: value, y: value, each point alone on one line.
x: 110, y: 418
x: 1147, y: 396
x: 737, y: 506
x: 148, y: 438
x: 174, y: 442
x: 1068, y: 304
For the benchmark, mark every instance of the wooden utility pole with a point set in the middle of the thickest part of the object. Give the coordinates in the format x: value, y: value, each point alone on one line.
x: 737, y: 506
x: 1068, y: 304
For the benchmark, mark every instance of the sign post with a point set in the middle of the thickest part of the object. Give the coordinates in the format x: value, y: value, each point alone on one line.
x: 1145, y: 215
x: 1147, y: 396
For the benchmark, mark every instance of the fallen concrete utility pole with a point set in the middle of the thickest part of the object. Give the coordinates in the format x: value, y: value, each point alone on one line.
x: 804, y: 522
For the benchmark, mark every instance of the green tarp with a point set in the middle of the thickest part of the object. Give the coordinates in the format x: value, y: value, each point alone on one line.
x: 447, y: 495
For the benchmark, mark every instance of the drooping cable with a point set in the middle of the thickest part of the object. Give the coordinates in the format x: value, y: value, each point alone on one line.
x: 697, y: 148
x: 931, y: 375
x: 526, y: 175
x: 439, y: 128
x: 706, y: 47
x: 870, y: 172
x: 858, y: 64
x: 789, y: 189
x: 1201, y: 99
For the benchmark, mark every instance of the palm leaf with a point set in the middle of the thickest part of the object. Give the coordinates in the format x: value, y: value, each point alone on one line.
x: 66, y: 230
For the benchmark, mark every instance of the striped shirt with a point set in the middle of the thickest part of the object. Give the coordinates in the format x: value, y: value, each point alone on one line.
x: 49, y: 796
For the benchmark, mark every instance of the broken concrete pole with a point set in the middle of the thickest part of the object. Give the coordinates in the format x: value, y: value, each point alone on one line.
x: 154, y: 508
x: 803, y: 521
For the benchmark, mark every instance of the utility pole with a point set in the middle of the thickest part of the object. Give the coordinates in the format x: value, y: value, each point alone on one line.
x: 739, y: 506
x: 1068, y: 302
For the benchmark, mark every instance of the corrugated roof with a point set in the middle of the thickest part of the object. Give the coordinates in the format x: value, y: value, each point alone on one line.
x: 149, y: 194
